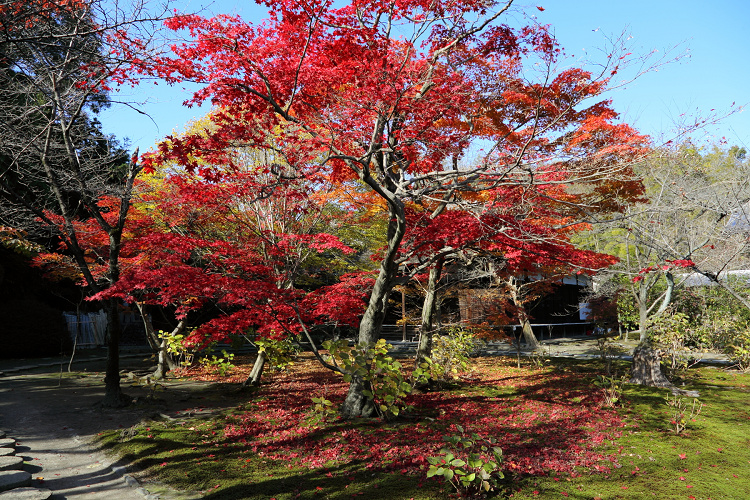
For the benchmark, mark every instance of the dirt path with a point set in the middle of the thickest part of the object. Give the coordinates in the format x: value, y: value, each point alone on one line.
x: 54, y: 420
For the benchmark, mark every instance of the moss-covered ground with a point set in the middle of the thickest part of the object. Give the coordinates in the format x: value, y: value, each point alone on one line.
x: 558, y: 437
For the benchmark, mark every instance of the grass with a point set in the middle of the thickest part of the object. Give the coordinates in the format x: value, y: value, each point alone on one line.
x: 710, y: 459
x: 558, y: 439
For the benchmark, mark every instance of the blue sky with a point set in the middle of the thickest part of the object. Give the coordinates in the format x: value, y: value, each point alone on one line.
x: 713, y: 73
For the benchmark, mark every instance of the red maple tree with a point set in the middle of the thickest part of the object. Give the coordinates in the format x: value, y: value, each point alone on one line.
x: 398, y: 96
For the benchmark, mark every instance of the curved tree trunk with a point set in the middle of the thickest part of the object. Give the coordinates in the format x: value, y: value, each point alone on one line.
x: 356, y: 404
x: 646, y: 369
x: 528, y: 334
x: 523, y: 318
x: 165, y: 362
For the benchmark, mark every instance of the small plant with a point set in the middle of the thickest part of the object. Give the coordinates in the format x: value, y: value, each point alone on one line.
x: 382, y: 374
x: 539, y: 359
x: 471, y: 464
x: 147, y: 383
x: 322, y: 410
x: 175, y: 347
x: 281, y: 353
x: 682, y: 412
x: 607, y: 351
x: 451, y: 353
x: 612, y: 388
x: 219, y: 365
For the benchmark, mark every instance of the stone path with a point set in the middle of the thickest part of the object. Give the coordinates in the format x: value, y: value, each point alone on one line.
x: 50, y: 422
x: 14, y: 481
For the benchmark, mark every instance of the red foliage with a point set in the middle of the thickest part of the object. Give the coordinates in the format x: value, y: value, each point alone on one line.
x: 554, y: 423
x: 670, y: 264
x: 341, y: 94
x: 194, y: 243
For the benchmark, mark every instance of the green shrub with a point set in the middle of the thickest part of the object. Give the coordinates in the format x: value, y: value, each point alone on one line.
x: 673, y: 332
x: 387, y: 386
x: 733, y: 339
x: 451, y: 353
x: 220, y: 365
x: 470, y: 463
x: 280, y: 353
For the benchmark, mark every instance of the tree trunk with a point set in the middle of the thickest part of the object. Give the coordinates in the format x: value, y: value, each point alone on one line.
x: 162, y: 365
x: 257, y: 372
x: 113, y: 395
x: 517, y: 343
x: 429, y: 307
x: 523, y: 318
x: 356, y: 404
x: 646, y: 369
x: 165, y: 362
x: 528, y: 334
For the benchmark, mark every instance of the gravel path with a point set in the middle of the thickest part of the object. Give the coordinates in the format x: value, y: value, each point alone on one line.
x: 55, y: 418
x: 53, y: 426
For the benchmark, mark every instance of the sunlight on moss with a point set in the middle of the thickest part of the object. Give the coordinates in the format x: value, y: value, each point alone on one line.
x: 556, y: 437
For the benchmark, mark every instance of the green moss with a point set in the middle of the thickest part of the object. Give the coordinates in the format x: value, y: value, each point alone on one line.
x: 710, y: 459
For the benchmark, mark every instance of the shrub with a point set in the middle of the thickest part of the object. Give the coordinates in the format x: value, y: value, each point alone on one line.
x: 219, y: 365
x: 469, y: 462
x: 451, y: 353
x: 673, y: 332
x: 733, y: 339
x: 281, y: 353
x: 387, y: 386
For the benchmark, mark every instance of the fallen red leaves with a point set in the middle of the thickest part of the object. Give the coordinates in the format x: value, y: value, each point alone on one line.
x: 545, y: 422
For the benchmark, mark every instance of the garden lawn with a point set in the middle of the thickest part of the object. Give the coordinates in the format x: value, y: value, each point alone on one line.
x: 557, y: 438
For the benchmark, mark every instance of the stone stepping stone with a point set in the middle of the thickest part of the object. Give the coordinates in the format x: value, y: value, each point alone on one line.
x: 11, y: 463
x: 7, y: 452
x: 7, y: 443
x: 27, y: 493
x: 10, y: 479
